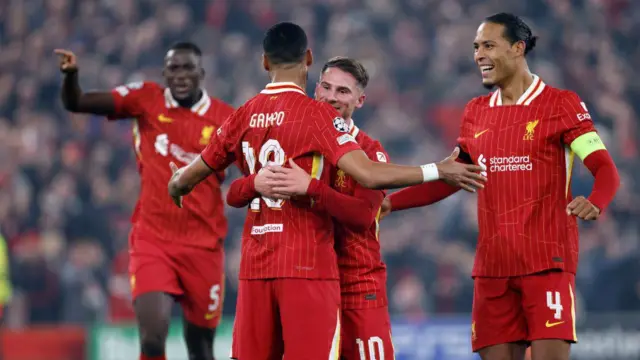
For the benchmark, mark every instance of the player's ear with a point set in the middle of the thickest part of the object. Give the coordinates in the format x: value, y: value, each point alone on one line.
x: 202, y: 73
x: 519, y: 47
x: 361, y: 100
x: 308, y: 57
x: 265, y: 63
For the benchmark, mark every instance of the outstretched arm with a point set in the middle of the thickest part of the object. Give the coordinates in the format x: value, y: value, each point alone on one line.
x: 376, y: 175
x: 73, y: 99
x: 186, y: 178
x: 380, y: 175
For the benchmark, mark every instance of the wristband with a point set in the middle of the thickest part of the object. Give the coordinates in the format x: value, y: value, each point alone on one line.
x: 429, y: 172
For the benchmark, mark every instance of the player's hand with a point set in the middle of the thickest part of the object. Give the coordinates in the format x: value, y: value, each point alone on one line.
x: 290, y: 181
x: 68, y: 60
x: 386, y: 208
x: 583, y: 208
x: 465, y: 176
x: 173, y: 189
x: 261, y: 184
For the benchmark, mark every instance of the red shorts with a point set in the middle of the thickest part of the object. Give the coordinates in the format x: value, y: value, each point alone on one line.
x: 523, y: 308
x: 366, y: 334
x: 299, y: 315
x: 194, y: 275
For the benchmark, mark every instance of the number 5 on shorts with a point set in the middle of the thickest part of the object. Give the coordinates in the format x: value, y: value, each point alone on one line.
x: 373, y: 343
x: 555, y: 304
x: 214, y: 295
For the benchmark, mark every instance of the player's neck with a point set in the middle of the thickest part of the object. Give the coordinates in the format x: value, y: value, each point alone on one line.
x: 293, y: 75
x: 192, y: 100
x: 514, y: 87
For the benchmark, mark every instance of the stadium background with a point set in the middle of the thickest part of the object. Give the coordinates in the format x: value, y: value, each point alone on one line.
x: 69, y: 182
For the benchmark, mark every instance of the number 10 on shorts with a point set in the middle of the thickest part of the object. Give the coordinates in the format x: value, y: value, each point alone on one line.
x: 374, y: 342
x: 554, y: 303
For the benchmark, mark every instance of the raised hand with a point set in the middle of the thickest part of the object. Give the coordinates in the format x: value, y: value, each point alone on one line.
x: 464, y: 176
x: 261, y: 184
x: 289, y: 181
x: 68, y: 60
x: 583, y: 208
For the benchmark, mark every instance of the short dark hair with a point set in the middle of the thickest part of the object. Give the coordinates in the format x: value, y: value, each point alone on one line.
x: 285, y: 43
x: 187, y: 46
x: 515, y: 29
x: 351, y: 66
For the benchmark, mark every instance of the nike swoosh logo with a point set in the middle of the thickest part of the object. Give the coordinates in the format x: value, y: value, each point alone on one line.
x: 209, y: 316
x: 164, y: 119
x: 477, y: 135
x: 548, y: 324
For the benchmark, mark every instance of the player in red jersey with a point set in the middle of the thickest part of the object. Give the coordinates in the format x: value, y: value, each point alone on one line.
x: 525, y: 135
x: 366, y: 328
x: 174, y: 254
x: 288, y: 270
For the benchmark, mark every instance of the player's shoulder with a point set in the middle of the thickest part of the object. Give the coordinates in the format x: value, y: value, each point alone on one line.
x: 478, y: 102
x: 220, y: 104
x: 140, y: 87
x: 372, y: 147
x: 219, y: 109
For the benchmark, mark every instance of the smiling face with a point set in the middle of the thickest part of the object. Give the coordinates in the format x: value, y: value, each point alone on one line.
x: 182, y: 73
x: 341, y: 90
x: 495, y: 55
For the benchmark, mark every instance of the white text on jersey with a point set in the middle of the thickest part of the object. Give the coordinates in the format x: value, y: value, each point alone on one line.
x: 262, y: 120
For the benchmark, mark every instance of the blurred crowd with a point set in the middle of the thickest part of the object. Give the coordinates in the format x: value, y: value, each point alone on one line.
x: 69, y: 182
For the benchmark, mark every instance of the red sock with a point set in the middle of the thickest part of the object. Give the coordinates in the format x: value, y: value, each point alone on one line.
x: 145, y: 357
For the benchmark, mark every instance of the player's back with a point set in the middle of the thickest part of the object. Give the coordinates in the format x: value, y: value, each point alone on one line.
x: 524, y: 149
x: 164, y: 132
x: 286, y: 238
x: 362, y: 271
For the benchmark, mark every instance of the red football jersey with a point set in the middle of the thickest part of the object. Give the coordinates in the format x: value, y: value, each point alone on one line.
x: 165, y: 132
x: 525, y: 151
x: 284, y: 238
x: 363, y: 274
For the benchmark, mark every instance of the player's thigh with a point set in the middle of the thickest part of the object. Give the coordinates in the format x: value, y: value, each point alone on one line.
x: 549, y: 304
x: 550, y: 349
x: 257, y: 333
x: 201, y: 273
x: 151, y: 269
x: 310, y: 316
x: 366, y: 334
x: 497, y: 314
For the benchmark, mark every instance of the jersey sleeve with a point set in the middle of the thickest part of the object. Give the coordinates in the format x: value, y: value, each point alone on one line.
x: 375, y: 152
x: 579, y: 131
x: 466, y: 132
x: 220, y: 152
x: 330, y: 134
x: 129, y: 99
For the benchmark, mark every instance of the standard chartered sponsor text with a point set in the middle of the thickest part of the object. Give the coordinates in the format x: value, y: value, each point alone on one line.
x: 510, y: 163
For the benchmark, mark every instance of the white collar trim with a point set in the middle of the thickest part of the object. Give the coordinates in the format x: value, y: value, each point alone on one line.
x: 534, y: 90
x: 200, y: 108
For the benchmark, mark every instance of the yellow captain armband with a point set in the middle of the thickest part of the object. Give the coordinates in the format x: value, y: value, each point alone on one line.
x: 586, y: 144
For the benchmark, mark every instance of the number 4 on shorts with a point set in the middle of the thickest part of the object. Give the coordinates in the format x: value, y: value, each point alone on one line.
x: 554, y: 303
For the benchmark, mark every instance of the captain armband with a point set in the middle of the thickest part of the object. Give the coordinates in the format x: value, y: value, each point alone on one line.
x: 586, y: 144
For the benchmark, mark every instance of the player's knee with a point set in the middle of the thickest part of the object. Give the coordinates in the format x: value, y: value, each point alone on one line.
x: 199, y: 342
x: 152, y: 344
